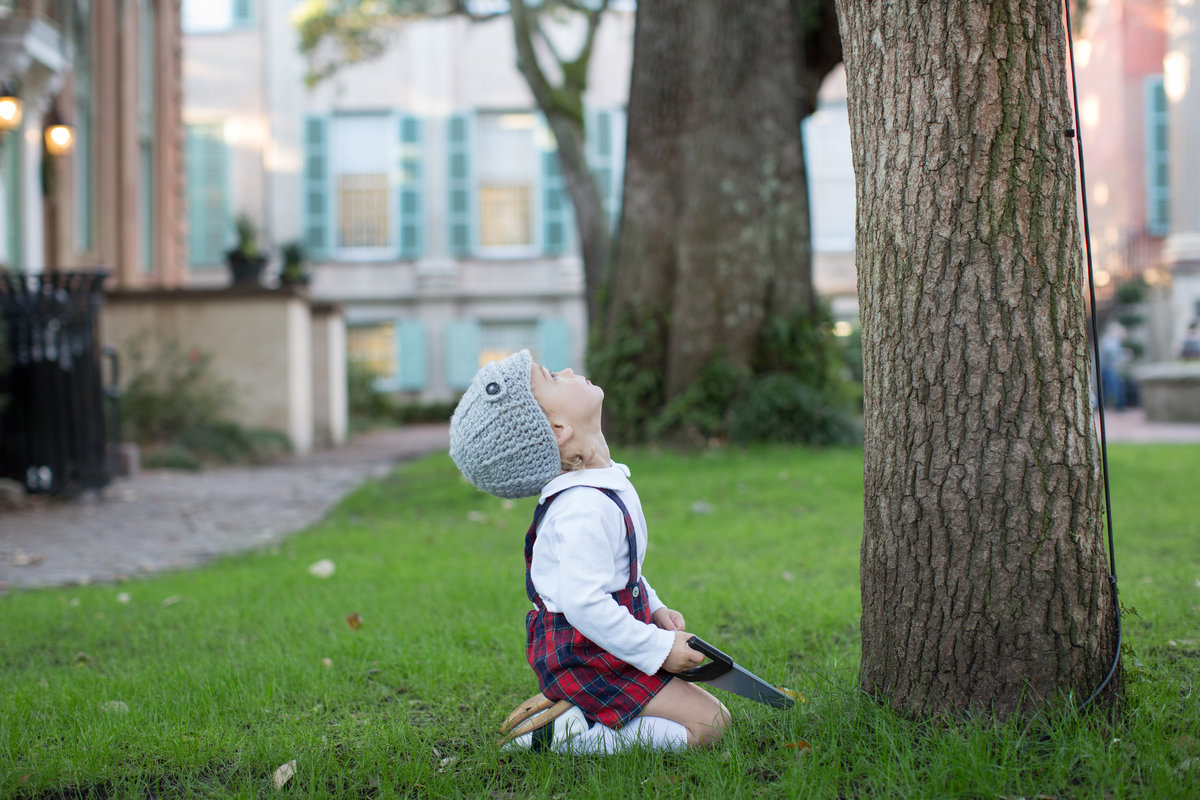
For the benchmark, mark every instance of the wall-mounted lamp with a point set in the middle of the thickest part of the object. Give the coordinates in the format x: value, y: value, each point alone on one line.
x: 60, y: 136
x: 10, y: 107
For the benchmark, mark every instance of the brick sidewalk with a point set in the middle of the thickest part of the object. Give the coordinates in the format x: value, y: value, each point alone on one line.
x: 168, y: 520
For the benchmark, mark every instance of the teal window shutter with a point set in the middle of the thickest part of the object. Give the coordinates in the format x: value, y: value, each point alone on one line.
x: 556, y: 205
x: 1158, y: 164
x: 463, y: 342
x: 554, y: 343
x: 243, y: 12
x: 411, y: 208
x: 316, y: 187
x: 208, y: 213
x: 461, y: 189
x: 412, y: 373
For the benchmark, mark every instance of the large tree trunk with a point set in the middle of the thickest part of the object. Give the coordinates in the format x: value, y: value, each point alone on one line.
x: 714, y: 228
x: 984, y: 583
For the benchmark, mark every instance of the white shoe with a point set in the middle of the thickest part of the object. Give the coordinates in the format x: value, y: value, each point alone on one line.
x: 547, y: 731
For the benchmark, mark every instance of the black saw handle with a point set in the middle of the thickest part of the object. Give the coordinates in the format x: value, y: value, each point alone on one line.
x: 718, y: 666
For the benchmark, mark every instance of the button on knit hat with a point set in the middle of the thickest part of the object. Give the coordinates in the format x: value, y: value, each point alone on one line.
x: 499, y: 436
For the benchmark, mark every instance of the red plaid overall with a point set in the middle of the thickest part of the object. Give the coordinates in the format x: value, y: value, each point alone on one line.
x: 570, y: 666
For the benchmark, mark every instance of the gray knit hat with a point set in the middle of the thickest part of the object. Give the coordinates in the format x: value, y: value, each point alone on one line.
x: 499, y: 436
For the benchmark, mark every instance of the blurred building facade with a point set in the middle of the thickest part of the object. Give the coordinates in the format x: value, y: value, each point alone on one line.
x: 115, y: 201
x: 424, y: 186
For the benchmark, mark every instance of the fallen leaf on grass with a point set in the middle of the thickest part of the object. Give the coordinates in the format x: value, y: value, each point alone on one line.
x: 322, y: 569
x: 354, y: 621
x: 170, y: 601
x: 123, y: 597
x: 284, y: 773
x: 662, y: 780
x: 447, y: 763
x: 23, y: 559
x: 800, y: 746
x: 116, y: 706
x: 327, y: 662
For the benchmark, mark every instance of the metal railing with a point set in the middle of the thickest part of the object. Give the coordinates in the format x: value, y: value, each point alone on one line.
x: 55, y: 421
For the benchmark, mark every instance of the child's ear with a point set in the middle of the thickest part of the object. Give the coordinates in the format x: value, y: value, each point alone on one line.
x: 562, y: 433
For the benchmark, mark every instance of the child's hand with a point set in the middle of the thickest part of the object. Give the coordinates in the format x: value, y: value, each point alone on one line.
x: 681, y: 656
x: 668, y: 620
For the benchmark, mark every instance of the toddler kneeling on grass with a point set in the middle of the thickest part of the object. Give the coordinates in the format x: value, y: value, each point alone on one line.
x: 603, y: 646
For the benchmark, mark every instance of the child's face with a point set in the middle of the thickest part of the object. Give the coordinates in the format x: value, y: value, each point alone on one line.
x: 567, y: 398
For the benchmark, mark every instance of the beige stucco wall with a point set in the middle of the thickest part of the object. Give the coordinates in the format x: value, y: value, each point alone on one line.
x: 260, y: 340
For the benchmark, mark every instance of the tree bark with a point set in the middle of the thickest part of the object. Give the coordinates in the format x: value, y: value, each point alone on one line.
x: 714, y: 228
x: 984, y: 582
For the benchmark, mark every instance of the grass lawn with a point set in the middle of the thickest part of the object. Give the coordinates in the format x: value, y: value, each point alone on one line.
x: 202, y: 683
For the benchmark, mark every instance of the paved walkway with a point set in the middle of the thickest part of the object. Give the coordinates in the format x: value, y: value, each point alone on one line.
x: 168, y: 520
x: 162, y: 519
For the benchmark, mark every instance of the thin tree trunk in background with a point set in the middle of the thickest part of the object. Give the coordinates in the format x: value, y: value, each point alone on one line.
x: 562, y: 104
x: 984, y: 580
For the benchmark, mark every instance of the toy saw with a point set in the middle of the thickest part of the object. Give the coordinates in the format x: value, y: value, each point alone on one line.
x: 721, y: 671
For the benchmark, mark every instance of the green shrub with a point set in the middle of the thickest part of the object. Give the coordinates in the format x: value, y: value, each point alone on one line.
x: 171, y: 392
x: 408, y: 413
x: 228, y: 442
x: 1130, y: 319
x: 366, y: 405
x: 1131, y: 292
x: 369, y: 407
x: 700, y: 414
x: 179, y: 411
x: 825, y: 386
x: 785, y: 408
x: 172, y: 456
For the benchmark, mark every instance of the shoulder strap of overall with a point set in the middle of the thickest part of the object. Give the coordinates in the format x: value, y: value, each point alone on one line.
x: 540, y: 512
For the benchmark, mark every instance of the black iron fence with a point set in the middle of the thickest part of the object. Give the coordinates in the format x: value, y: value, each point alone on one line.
x: 57, y: 418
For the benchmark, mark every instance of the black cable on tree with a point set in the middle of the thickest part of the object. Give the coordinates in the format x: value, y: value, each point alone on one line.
x: 1087, y: 249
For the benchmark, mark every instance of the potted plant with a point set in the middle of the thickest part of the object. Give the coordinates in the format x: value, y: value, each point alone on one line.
x: 295, y: 270
x: 246, y: 260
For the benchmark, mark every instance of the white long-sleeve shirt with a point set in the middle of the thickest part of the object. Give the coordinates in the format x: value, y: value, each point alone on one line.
x: 581, y: 556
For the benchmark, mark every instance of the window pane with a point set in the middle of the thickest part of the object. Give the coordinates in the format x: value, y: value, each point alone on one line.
x: 373, y: 346
x: 502, y: 339
x: 505, y: 173
x: 362, y: 210
x: 504, y: 216
x: 206, y: 16
x: 360, y: 148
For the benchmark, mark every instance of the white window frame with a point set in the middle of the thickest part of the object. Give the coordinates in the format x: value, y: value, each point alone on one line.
x: 338, y: 156
x: 533, y: 172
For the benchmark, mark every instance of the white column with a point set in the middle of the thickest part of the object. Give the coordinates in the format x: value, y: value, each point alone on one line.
x: 1182, y: 251
x: 283, y: 149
